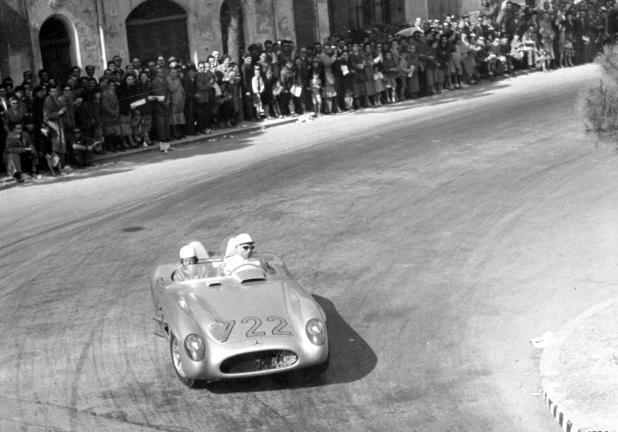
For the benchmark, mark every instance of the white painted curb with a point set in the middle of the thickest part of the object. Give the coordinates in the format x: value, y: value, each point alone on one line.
x: 555, y: 400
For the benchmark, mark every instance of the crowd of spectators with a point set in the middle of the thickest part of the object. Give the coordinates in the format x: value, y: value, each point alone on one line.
x: 49, y: 122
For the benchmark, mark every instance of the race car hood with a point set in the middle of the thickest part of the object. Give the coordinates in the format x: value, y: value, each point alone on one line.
x: 243, y: 303
x: 233, y: 301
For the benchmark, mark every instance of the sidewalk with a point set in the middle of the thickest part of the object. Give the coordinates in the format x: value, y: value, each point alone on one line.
x: 579, y: 371
x: 241, y: 128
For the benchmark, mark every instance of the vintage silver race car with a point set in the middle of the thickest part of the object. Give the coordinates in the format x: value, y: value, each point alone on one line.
x: 256, y: 321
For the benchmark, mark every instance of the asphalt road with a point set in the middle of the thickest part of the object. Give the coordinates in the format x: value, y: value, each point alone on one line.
x: 440, y: 236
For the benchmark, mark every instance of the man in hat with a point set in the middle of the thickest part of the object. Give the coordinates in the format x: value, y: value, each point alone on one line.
x: 19, y: 149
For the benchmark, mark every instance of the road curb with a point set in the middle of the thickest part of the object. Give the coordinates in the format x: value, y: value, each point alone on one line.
x: 6, y: 183
x: 193, y: 138
x: 563, y: 420
x: 557, y: 402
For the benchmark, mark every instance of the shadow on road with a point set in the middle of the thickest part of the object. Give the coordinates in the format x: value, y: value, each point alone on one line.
x: 351, y: 359
x: 205, y: 146
x: 477, y: 91
x: 239, y: 139
x: 127, y: 161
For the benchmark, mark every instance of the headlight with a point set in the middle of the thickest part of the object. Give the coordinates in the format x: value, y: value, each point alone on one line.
x: 195, y: 347
x: 316, y: 331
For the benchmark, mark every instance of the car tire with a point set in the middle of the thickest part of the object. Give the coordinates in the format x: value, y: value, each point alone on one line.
x: 175, y: 353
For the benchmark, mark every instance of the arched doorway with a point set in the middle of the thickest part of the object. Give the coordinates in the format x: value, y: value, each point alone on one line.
x: 55, y: 43
x: 158, y: 27
x: 232, y: 35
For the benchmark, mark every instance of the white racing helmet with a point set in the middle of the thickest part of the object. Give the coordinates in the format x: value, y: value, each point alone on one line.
x: 188, y: 253
x: 243, y: 238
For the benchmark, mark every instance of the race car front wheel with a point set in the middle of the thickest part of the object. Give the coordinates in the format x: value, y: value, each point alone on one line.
x: 176, y: 353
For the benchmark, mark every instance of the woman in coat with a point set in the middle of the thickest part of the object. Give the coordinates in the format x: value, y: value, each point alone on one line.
x: 160, y: 97
x: 177, y: 104
x: 369, y: 69
x: 54, y: 116
x: 110, y: 116
x: 127, y: 93
x: 145, y: 92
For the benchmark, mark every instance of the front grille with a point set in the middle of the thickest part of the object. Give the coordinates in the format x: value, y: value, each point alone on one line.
x: 259, y: 361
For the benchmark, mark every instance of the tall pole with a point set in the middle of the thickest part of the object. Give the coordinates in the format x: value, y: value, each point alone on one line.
x: 32, y: 36
x: 317, y: 21
x: 2, y: 23
x: 100, y: 25
x: 275, y: 22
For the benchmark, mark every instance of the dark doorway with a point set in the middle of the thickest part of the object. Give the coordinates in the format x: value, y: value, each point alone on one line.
x: 304, y: 18
x: 232, y: 35
x: 158, y: 27
x: 55, y: 44
x: 437, y: 9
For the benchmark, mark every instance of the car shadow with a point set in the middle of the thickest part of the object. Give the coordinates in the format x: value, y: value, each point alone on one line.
x: 351, y: 359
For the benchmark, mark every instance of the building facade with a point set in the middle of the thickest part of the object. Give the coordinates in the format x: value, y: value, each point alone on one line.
x: 57, y: 34
x: 348, y: 15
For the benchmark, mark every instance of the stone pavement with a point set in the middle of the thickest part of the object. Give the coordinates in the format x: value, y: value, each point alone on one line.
x: 579, y: 370
x: 579, y: 364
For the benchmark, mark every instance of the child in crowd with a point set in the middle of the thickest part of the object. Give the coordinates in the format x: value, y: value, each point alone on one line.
x: 391, y: 72
x: 316, y: 92
x: 505, y: 55
x: 83, y: 147
x: 518, y: 53
x: 267, y: 95
x: 542, y: 59
x: 226, y: 114
x: 257, y: 88
x: 569, y: 51
x: 52, y: 158
x: 140, y: 137
x: 277, y: 92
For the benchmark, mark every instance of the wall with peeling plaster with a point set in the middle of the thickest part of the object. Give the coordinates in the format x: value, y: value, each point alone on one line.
x: 98, y: 27
x: 87, y: 20
x: 15, y: 40
x: 347, y: 15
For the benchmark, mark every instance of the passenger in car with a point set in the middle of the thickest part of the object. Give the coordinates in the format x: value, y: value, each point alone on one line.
x: 239, y: 253
x: 189, y: 268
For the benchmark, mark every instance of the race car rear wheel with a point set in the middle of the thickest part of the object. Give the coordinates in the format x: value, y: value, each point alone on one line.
x: 176, y: 353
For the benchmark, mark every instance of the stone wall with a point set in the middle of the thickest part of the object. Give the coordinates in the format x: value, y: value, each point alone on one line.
x: 415, y: 9
x: 80, y: 20
x: 440, y: 8
x: 469, y: 6
x: 15, y: 40
x: 98, y: 30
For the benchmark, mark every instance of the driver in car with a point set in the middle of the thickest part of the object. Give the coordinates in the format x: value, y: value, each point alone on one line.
x: 243, y: 254
x: 189, y: 268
